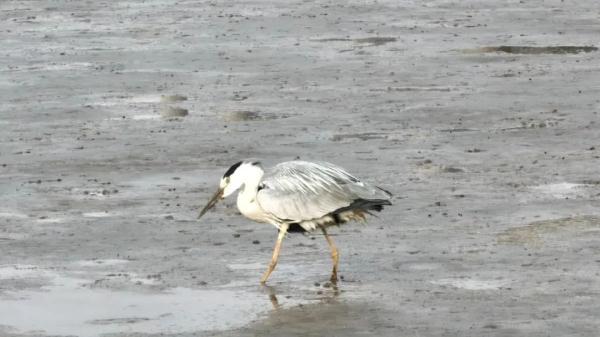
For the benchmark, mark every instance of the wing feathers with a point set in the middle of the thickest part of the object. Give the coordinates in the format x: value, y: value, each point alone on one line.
x: 301, y: 191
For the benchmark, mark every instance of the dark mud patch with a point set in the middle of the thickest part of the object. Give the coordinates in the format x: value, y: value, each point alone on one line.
x: 375, y: 41
x: 173, y: 112
x: 372, y: 41
x: 536, y: 233
x: 451, y: 169
x: 528, y: 50
x: 595, y: 182
x: 361, y: 136
x: 244, y: 116
x: 122, y: 320
x: 402, y: 89
x: 239, y: 116
x: 458, y: 130
x: 333, y: 39
x: 427, y: 166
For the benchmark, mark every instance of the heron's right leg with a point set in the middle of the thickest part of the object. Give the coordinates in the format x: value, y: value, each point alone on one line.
x: 335, y: 256
x: 282, y: 231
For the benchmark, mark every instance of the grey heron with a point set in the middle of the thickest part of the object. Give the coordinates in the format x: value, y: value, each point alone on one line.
x: 299, y: 196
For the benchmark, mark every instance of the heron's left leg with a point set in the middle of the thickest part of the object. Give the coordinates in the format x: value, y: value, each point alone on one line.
x: 335, y: 256
x: 282, y: 231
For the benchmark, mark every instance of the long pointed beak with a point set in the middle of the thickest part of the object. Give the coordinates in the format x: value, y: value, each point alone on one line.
x: 213, y: 201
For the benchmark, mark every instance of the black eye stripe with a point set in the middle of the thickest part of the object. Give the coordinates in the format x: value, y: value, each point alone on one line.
x: 232, y: 169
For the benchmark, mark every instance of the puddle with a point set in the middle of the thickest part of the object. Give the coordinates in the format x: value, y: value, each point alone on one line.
x: 472, y: 284
x: 586, y: 189
x: 13, y: 236
x: 49, y: 220
x: 247, y: 266
x: 336, y: 317
x: 13, y: 215
x: 534, y: 233
x: 104, y: 214
x: 560, y: 190
x: 58, y: 302
x: 143, y: 117
x: 142, y: 99
x: 58, y: 310
x: 533, y: 50
x: 424, y: 266
x: 68, y: 307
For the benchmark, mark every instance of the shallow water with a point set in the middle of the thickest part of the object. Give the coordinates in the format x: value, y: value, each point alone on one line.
x: 72, y: 306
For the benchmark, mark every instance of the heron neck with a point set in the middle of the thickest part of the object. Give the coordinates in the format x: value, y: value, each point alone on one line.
x: 247, y: 203
x: 250, y: 187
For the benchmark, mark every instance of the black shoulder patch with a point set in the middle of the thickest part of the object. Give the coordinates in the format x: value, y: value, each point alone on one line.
x: 232, y: 169
x: 296, y: 228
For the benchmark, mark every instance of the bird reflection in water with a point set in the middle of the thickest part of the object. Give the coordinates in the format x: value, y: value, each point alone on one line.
x: 329, y: 294
x: 323, y: 310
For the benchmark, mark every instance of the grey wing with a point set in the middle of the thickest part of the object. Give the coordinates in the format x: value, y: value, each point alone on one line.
x: 299, y: 191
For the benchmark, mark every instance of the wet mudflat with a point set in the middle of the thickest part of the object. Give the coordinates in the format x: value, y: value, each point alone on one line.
x: 118, y: 118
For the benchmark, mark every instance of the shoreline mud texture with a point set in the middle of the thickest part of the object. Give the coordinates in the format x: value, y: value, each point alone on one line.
x: 119, y: 117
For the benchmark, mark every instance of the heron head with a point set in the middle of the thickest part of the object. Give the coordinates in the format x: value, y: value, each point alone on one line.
x: 236, y: 176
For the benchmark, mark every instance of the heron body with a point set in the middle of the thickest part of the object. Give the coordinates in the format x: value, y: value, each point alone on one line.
x: 299, y: 195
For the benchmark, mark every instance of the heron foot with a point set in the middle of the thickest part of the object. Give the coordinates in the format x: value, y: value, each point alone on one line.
x: 334, y: 279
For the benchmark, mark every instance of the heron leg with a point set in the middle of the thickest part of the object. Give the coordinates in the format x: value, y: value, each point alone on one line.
x: 282, y: 231
x: 335, y: 256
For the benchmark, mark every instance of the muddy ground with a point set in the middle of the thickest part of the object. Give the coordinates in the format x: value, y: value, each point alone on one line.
x: 119, y: 117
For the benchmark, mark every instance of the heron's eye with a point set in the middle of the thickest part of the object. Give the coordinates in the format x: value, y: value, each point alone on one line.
x: 227, y: 180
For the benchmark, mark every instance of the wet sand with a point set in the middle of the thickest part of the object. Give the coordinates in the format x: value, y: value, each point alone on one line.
x: 118, y: 118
